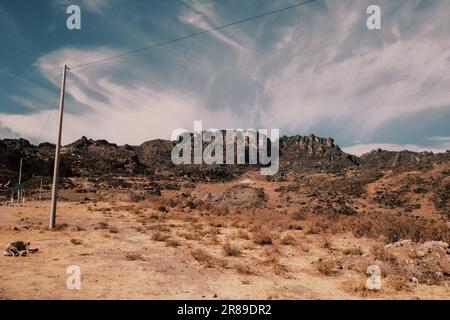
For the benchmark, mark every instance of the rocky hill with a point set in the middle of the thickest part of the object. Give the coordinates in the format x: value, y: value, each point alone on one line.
x: 311, y: 153
x: 90, y: 158
x: 402, y: 160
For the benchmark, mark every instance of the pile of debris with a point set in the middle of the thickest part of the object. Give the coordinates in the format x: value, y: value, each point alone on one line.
x: 18, y: 249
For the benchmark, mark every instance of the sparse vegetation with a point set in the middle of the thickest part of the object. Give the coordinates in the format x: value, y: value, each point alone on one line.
x: 172, y: 243
x: 231, y: 250
x: 288, y: 240
x: 263, y: 238
x: 76, y: 242
x: 134, y: 256
x: 328, y: 267
x: 206, y: 259
x: 159, y: 236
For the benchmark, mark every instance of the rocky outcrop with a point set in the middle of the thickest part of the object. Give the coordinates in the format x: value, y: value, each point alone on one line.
x: 312, y: 153
x: 94, y: 158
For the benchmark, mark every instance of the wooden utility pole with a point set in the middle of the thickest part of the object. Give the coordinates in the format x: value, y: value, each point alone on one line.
x: 20, y: 181
x: 58, y: 147
x: 40, y: 191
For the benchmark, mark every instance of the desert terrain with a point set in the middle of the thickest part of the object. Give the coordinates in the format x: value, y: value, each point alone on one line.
x: 152, y: 231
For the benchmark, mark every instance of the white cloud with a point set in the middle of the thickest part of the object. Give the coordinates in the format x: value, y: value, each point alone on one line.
x: 203, y: 16
x: 130, y: 114
x: 312, y: 67
x: 334, y: 74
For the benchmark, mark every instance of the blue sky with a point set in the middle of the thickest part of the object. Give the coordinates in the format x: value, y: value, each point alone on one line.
x: 314, y: 69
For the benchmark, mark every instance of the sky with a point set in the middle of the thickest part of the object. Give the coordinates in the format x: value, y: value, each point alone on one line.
x: 315, y: 69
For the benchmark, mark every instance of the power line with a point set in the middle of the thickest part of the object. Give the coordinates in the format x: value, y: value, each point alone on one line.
x: 50, y: 112
x: 190, y: 35
x: 45, y: 125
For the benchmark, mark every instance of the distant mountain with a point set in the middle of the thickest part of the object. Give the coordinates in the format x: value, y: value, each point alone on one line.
x: 402, y: 160
x: 89, y: 158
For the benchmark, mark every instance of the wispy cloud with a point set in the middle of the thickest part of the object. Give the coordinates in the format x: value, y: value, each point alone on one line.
x: 129, y: 114
x: 315, y: 70
x: 203, y: 16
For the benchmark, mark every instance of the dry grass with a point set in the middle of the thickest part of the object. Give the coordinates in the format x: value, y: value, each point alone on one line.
x: 191, y: 235
x: 353, y: 251
x: 244, y: 269
x: 159, y: 236
x: 206, y: 259
x: 231, y: 250
x: 299, y: 216
x: 134, y: 256
x: 60, y: 227
x: 379, y: 253
x: 396, y: 283
x: 328, y: 267
x: 263, y: 238
x: 288, y: 240
x: 282, y: 271
x: 172, y: 243
x: 101, y: 225
x: 390, y: 227
x: 76, y: 242
x: 327, y: 244
x: 211, y: 240
x: 241, y: 234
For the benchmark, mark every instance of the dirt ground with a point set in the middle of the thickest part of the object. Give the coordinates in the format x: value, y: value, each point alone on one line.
x: 146, y: 250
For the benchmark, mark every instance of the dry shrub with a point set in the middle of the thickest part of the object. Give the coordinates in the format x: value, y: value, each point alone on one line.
x: 391, y: 227
x: 282, y: 271
x: 327, y: 244
x: 133, y: 256
x: 319, y: 225
x: 295, y: 226
x: 353, y: 251
x: 243, y: 269
x: 159, y: 236
x: 356, y: 287
x: 172, y: 243
x: 76, y: 242
x: 217, y: 224
x: 263, y: 238
x: 288, y: 240
x: 206, y: 259
x: 101, y: 225
x: 397, y: 227
x: 60, y: 227
x: 380, y: 253
x: 211, y: 240
x: 159, y: 227
x: 135, y: 197
x: 241, y: 234
x: 328, y: 267
x: 208, y: 231
x: 231, y: 250
x: 163, y: 209
x: 299, y: 216
x: 190, y: 235
x: 396, y: 283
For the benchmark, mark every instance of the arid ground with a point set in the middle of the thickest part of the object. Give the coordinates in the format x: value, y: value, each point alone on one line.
x: 308, y: 237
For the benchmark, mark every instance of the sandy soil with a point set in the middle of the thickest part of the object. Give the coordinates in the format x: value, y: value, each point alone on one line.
x: 126, y: 258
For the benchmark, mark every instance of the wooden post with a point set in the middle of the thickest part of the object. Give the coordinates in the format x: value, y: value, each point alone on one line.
x: 57, y: 150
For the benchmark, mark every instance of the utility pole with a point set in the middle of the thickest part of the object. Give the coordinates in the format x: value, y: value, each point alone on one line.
x: 58, y: 147
x: 20, y: 181
x: 40, y: 191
